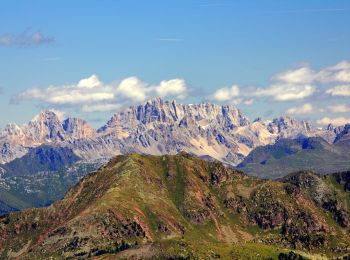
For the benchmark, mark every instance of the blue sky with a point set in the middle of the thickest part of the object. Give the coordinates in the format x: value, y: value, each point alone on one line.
x: 267, y: 57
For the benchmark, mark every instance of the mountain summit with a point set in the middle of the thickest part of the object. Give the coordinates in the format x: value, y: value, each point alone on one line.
x: 158, y: 127
x: 181, y: 207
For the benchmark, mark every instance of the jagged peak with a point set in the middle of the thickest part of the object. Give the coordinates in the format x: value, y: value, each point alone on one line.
x: 155, y: 100
x: 12, y: 125
x: 73, y: 125
x: 49, y: 114
x: 75, y: 119
x: 289, y: 119
x: 11, y: 128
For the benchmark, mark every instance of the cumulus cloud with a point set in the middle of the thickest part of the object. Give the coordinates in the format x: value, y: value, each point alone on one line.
x: 338, y: 121
x: 26, y: 38
x: 337, y: 73
x: 226, y: 93
x: 341, y: 90
x: 286, y: 92
x: 137, y: 90
x: 174, y: 87
x: 100, y: 108
x: 133, y: 88
x: 305, y: 75
x: 91, y: 82
x: 304, y: 109
x: 341, y: 108
x: 92, y: 95
x: 295, y: 84
x: 87, y: 90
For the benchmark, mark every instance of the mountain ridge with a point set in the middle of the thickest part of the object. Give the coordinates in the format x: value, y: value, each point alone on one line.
x: 158, y: 127
x: 178, y: 206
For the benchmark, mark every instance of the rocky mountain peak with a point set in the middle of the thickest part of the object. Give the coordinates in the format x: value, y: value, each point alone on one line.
x: 78, y: 128
x: 11, y: 129
x: 156, y: 110
x: 161, y: 127
x: 45, y: 126
x: 343, y: 133
x: 289, y: 127
x: 46, y: 117
x: 330, y: 127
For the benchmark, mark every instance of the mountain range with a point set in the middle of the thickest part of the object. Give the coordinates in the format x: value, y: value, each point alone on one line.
x: 182, y: 207
x: 41, y: 160
x: 159, y: 127
x: 180, y: 183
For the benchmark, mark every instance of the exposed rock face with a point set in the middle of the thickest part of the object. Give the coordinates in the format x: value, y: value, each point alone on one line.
x: 77, y: 128
x: 45, y: 128
x: 159, y: 127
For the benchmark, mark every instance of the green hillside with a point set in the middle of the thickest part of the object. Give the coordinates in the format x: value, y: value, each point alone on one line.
x: 181, y: 207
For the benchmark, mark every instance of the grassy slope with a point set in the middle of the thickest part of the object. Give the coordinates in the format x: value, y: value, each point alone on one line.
x: 161, y: 207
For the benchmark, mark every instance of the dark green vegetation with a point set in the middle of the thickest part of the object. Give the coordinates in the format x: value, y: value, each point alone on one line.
x: 9, y: 202
x: 41, y: 159
x: 181, y: 207
x: 40, y: 177
x: 287, y: 156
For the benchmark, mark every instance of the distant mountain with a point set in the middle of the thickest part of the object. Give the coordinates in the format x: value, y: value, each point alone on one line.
x: 37, y: 157
x: 45, y: 128
x: 158, y: 127
x: 291, y: 155
x: 181, y: 207
x: 40, y: 159
x: 40, y: 177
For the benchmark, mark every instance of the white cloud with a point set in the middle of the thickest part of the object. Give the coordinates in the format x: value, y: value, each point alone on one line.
x: 304, y: 109
x: 226, y: 93
x: 100, y: 108
x: 138, y: 91
x: 91, y: 82
x: 133, y: 88
x: 341, y: 108
x: 338, y: 121
x: 337, y: 73
x: 93, y: 95
x: 286, y: 92
x: 174, y: 87
x: 303, y: 75
x: 87, y: 90
x: 341, y: 90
